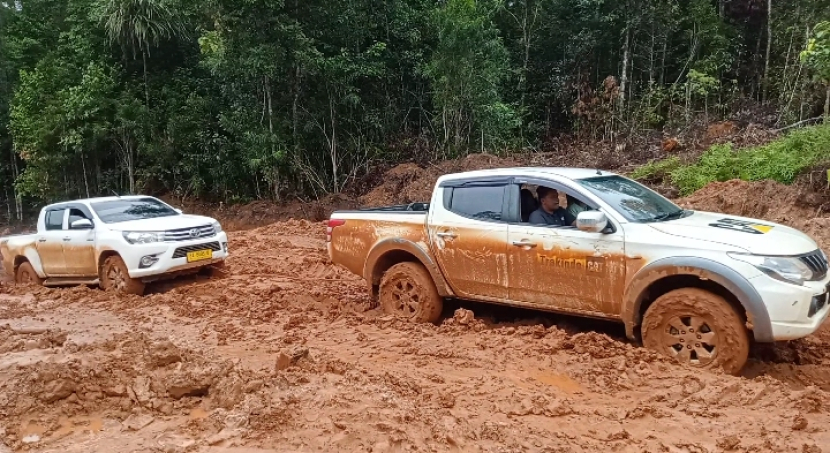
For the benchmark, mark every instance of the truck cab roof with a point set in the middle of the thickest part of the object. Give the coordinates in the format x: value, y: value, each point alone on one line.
x: 564, y: 172
x: 87, y: 201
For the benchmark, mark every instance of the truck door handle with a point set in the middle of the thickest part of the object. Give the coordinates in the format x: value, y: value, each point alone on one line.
x: 446, y: 235
x: 524, y: 244
x: 41, y: 240
x: 67, y: 239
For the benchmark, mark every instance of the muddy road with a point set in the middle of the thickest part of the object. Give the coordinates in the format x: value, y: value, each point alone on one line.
x: 283, y: 354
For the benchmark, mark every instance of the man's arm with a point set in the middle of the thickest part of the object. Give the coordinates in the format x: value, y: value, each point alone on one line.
x: 570, y: 219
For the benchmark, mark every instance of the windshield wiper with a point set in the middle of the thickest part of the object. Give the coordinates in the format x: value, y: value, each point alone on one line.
x: 669, y: 215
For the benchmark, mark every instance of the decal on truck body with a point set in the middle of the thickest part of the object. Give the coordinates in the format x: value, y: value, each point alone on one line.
x: 742, y: 225
x: 591, y: 264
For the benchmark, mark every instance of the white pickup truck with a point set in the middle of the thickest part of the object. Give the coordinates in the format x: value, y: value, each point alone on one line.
x: 115, y: 242
x: 696, y: 286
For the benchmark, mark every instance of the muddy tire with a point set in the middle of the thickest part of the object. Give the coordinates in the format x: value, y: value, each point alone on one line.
x: 407, y: 291
x: 26, y: 275
x: 115, y: 277
x: 698, y: 328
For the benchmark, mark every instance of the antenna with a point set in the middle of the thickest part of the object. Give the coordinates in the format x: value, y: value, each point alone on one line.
x: 115, y: 193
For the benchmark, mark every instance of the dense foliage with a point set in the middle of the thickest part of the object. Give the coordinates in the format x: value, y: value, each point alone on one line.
x: 244, y: 99
x: 781, y: 160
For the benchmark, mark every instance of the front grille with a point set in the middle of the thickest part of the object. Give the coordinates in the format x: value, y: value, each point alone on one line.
x: 187, y: 234
x: 816, y: 262
x: 182, y: 252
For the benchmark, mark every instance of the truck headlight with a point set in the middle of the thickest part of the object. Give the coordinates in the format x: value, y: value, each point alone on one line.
x: 217, y: 227
x: 143, y: 237
x: 784, y: 268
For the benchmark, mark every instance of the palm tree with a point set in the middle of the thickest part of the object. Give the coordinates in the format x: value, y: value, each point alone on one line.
x: 138, y: 25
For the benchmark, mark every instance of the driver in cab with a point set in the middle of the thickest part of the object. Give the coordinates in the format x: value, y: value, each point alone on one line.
x: 549, y: 212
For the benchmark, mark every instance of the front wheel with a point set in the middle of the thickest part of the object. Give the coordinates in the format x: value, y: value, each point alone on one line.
x: 698, y: 328
x: 26, y: 275
x: 114, y: 276
x: 407, y: 291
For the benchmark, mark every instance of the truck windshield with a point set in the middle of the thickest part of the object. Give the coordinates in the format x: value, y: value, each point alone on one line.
x: 115, y: 211
x: 634, y: 201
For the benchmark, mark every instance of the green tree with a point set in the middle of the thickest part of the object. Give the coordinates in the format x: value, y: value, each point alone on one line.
x: 817, y: 56
x: 467, y: 71
x: 139, y: 25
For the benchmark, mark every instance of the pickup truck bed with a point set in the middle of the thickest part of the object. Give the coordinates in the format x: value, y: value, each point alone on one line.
x: 372, y: 233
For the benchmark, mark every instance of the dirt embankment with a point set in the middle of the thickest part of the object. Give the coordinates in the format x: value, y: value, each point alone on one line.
x: 284, y: 354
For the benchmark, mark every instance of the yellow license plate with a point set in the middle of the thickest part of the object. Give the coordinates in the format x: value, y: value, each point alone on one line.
x: 199, y: 255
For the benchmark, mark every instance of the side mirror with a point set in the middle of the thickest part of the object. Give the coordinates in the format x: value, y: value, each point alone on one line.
x: 81, y: 224
x: 591, y: 221
x: 178, y: 210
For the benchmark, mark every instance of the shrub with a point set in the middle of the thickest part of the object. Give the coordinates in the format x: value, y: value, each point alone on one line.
x: 781, y: 160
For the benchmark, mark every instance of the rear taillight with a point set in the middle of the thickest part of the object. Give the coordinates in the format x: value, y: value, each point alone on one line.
x: 332, y: 224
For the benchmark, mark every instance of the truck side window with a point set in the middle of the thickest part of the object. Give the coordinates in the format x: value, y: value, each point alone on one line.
x: 54, y: 219
x: 75, y: 214
x: 482, y: 202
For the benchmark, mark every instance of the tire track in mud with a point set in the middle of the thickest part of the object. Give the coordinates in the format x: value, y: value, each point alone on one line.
x: 284, y: 350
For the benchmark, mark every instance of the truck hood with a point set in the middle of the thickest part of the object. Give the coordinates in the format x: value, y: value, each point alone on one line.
x: 162, y: 223
x: 755, y: 236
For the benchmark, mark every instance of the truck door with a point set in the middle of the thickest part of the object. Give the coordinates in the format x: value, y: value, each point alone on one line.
x: 567, y: 269
x: 50, y: 243
x: 79, y: 245
x: 469, y: 237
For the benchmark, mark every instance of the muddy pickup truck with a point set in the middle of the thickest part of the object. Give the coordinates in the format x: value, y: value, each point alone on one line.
x: 120, y: 243
x: 696, y: 286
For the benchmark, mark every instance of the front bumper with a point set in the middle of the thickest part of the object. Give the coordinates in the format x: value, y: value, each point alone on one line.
x: 167, y: 257
x: 794, y: 311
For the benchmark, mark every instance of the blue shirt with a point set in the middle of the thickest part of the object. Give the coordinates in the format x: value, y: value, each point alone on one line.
x: 559, y: 217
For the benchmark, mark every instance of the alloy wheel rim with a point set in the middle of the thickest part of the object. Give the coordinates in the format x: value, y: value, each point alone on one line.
x: 690, y: 339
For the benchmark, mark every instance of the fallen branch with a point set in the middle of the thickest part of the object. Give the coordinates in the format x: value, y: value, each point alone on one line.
x: 798, y: 124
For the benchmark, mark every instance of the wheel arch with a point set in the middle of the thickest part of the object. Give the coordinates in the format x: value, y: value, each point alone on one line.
x: 19, y: 260
x: 30, y: 256
x: 102, y: 258
x: 667, y: 274
x: 389, y: 252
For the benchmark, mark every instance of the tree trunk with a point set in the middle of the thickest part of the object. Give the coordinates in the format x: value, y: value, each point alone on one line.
x: 759, y: 77
x: 146, y: 87
x: 128, y: 154
x: 333, y: 146
x: 131, y: 175
x: 18, y: 199
x: 295, y: 121
x: 624, y: 77
x: 86, y: 181
x: 8, y: 206
x: 765, y: 87
x: 663, y: 58
x: 276, y: 180
x: 827, y: 105
x: 651, y: 58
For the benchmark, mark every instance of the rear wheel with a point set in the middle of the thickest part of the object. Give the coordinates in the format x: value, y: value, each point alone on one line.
x: 115, y: 277
x: 698, y: 328
x: 26, y: 275
x: 407, y: 291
